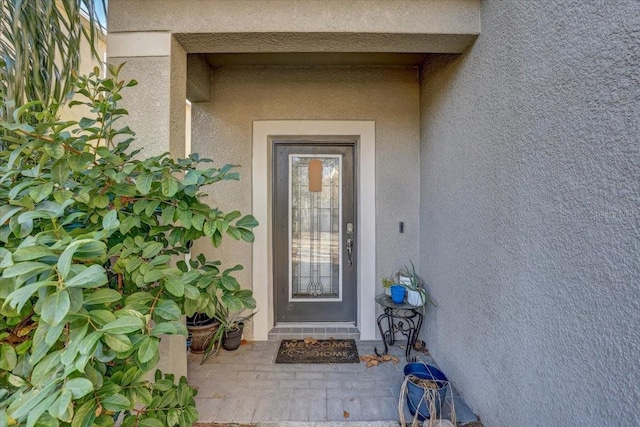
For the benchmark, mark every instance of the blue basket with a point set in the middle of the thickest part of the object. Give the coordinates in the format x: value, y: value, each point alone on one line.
x: 415, y: 393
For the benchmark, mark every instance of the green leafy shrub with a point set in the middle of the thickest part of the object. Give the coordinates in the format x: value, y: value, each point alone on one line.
x: 89, y: 282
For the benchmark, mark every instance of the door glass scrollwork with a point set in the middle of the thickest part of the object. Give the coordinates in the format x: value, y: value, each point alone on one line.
x: 315, y: 228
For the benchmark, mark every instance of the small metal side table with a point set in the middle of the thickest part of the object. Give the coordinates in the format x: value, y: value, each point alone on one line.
x: 403, y: 318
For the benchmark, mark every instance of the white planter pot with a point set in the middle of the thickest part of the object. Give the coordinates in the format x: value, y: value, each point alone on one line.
x: 415, y: 298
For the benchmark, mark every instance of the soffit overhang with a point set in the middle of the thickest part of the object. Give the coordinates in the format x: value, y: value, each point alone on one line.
x: 292, y: 26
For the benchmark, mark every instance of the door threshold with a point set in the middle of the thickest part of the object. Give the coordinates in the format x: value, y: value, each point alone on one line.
x: 315, y: 325
x: 318, y: 330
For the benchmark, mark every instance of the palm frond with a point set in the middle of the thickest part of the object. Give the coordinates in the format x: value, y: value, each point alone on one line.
x: 40, y: 48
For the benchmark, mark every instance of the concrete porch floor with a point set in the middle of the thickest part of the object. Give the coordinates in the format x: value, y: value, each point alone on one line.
x: 246, y: 386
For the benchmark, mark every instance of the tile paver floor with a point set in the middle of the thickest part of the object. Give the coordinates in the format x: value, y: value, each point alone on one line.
x: 246, y: 386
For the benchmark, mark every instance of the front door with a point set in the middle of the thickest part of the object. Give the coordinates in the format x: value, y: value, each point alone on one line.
x: 314, y: 232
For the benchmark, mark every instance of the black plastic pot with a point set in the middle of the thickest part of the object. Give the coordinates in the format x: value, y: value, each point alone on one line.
x: 232, y: 339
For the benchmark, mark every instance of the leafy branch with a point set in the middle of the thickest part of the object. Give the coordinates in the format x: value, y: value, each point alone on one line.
x: 89, y: 282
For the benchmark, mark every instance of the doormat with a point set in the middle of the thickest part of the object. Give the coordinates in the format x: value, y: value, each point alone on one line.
x: 311, y: 350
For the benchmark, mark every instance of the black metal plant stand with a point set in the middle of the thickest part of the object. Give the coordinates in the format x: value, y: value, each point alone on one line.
x: 399, y: 318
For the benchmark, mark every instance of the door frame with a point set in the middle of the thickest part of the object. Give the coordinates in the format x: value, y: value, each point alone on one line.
x: 264, y: 132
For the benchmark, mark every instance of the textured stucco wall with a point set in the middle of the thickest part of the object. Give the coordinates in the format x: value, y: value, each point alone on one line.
x: 304, y: 26
x: 530, y: 219
x: 87, y: 63
x: 156, y: 105
x: 222, y: 130
x: 256, y: 16
x: 157, y: 114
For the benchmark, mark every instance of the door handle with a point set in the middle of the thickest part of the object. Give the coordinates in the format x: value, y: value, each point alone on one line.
x: 349, y: 252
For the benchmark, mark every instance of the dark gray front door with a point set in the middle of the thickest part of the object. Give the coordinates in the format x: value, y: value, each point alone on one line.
x: 314, y: 232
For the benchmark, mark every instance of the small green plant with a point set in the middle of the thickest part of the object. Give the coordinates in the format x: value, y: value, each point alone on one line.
x: 414, y: 283
x: 228, y: 321
x: 387, y: 283
x: 89, y: 234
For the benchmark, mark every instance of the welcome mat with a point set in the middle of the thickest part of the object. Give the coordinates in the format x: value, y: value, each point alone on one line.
x: 311, y: 350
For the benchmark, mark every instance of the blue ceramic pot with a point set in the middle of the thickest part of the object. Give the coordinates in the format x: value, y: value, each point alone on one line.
x: 397, y: 293
x: 415, y: 393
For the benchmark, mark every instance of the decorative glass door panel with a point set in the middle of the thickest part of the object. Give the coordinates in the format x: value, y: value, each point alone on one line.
x: 313, y: 232
x: 315, y: 227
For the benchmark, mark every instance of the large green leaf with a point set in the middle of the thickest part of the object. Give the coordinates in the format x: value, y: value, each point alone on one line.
x: 153, y: 275
x: 143, y: 183
x: 209, y: 228
x: 60, y: 172
x: 92, y: 277
x: 55, y: 307
x: 246, y: 298
x: 87, y: 346
x: 150, y: 422
x: 168, y: 309
x: 30, y: 253
x: 80, y: 161
x: 48, y: 368
x: 169, y: 186
x: 116, y: 402
x: 246, y: 235
x: 174, y: 286
x: 75, y: 338
x: 85, y: 415
x: 229, y: 283
x: 18, y: 298
x: 110, y: 220
x: 64, y: 263
x: 26, y: 402
x: 118, y: 342
x: 40, y: 409
x: 151, y: 249
x: 170, y: 328
x: 26, y: 268
x: 123, y: 325
x: 61, y: 404
x: 8, y: 357
x: 102, y: 296
x: 247, y: 221
x: 148, y: 349
x: 79, y: 387
x: 101, y: 317
x: 41, y: 192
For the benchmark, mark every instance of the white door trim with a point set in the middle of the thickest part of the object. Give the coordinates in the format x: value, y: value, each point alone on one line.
x: 262, y: 267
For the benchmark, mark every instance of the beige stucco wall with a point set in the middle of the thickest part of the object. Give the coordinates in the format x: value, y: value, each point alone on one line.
x: 304, y: 26
x: 88, y: 62
x: 309, y: 16
x: 222, y: 130
x: 157, y: 103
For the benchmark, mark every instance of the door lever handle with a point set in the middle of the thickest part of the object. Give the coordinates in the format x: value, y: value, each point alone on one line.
x: 349, y: 252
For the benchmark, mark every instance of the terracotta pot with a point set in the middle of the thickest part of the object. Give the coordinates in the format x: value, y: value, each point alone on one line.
x: 201, y: 335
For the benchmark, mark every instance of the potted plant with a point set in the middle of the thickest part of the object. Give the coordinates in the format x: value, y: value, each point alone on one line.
x: 210, y: 317
x: 228, y: 334
x: 201, y: 329
x: 416, y: 294
x: 232, y: 336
